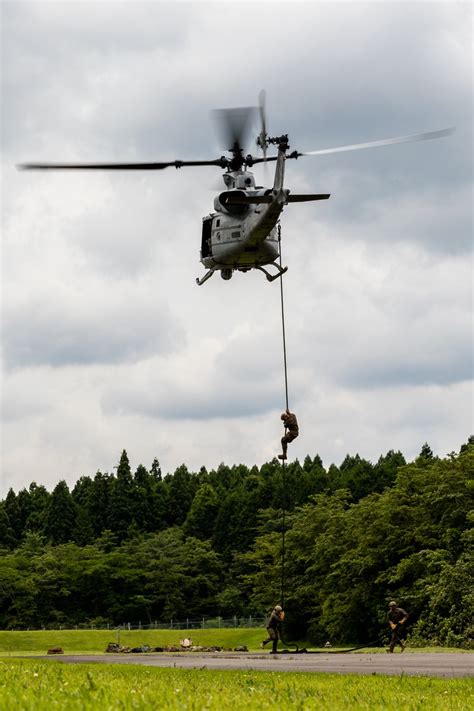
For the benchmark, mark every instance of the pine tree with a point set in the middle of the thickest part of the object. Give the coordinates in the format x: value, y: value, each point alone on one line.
x: 468, y: 445
x: 36, y: 507
x: 99, y: 504
x: 60, y: 515
x: 12, y: 510
x: 144, y: 500
x: 83, y: 532
x: 123, y: 470
x: 155, y: 470
x: 7, y: 534
x: 180, y: 493
x: 426, y: 452
x: 201, y: 517
x: 121, y: 513
x: 385, y: 471
x: 357, y: 475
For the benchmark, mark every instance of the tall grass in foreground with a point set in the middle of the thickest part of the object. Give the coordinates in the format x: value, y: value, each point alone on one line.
x: 45, y: 685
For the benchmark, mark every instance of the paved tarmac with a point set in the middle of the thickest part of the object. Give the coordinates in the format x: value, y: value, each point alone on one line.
x: 410, y: 663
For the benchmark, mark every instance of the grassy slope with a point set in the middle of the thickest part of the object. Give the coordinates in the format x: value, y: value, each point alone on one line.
x: 49, y: 685
x: 95, y: 641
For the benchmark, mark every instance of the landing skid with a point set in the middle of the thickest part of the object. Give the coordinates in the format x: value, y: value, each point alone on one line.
x: 206, y: 276
x: 272, y: 277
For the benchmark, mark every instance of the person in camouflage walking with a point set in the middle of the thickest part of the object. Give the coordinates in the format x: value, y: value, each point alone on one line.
x: 273, y: 627
x: 396, y: 619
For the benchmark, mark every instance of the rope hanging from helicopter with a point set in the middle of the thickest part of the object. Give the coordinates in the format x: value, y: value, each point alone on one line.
x: 284, y: 502
x: 379, y: 640
x: 283, y: 463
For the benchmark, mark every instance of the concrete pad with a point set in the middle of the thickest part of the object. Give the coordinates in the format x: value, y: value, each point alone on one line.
x: 413, y: 664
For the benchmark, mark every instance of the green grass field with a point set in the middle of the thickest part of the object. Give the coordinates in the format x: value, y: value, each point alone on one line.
x: 36, y: 685
x: 95, y: 641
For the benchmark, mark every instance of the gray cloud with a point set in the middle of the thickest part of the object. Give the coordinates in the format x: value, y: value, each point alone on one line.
x: 232, y: 382
x: 60, y: 333
x: 223, y: 401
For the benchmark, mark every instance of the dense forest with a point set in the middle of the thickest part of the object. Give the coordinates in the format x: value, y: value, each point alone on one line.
x: 143, y: 546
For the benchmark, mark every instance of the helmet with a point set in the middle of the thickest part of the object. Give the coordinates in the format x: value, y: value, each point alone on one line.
x: 278, y: 608
x: 392, y: 603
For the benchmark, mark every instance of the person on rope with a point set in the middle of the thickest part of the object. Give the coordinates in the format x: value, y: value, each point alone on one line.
x: 274, y: 628
x: 396, y: 619
x: 290, y: 424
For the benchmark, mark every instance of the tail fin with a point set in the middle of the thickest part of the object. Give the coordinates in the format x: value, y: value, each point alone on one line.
x: 280, y: 169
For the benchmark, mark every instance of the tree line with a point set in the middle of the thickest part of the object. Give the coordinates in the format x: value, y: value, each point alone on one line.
x: 143, y: 546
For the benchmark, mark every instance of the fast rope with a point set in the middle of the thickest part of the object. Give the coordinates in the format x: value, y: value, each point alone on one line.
x: 283, y: 463
x: 376, y: 642
x: 283, y: 322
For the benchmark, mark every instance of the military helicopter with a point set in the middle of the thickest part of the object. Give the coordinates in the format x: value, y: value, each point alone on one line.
x: 243, y: 233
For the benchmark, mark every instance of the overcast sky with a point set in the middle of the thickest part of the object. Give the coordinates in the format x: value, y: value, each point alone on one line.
x: 107, y: 341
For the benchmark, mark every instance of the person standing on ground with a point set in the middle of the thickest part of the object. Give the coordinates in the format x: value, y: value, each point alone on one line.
x: 290, y: 424
x: 273, y: 627
x: 396, y: 619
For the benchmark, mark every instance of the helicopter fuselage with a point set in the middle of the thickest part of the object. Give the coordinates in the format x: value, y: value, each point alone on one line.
x: 240, y: 236
x: 242, y: 233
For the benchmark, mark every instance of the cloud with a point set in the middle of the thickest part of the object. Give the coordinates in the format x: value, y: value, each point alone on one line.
x: 71, y: 327
x: 214, y: 381
x: 401, y: 418
x: 369, y: 316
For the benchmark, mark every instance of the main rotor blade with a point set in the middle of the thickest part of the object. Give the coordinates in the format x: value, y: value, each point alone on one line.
x: 268, y: 159
x: 262, y: 139
x: 221, y: 162
x: 234, y: 125
x: 384, y: 142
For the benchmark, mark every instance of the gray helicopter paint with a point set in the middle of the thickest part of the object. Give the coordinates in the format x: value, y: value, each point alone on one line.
x: 243, y: 242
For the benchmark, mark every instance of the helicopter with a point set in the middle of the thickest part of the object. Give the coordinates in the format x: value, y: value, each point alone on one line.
x: 243, y: 232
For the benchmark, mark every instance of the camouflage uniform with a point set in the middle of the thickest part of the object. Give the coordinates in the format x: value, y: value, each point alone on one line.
x: 396, y: 616
x: 292, y: 431
x: 273, y: 628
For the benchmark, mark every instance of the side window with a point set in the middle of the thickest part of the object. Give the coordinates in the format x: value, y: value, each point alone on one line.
x: 218, y: 222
